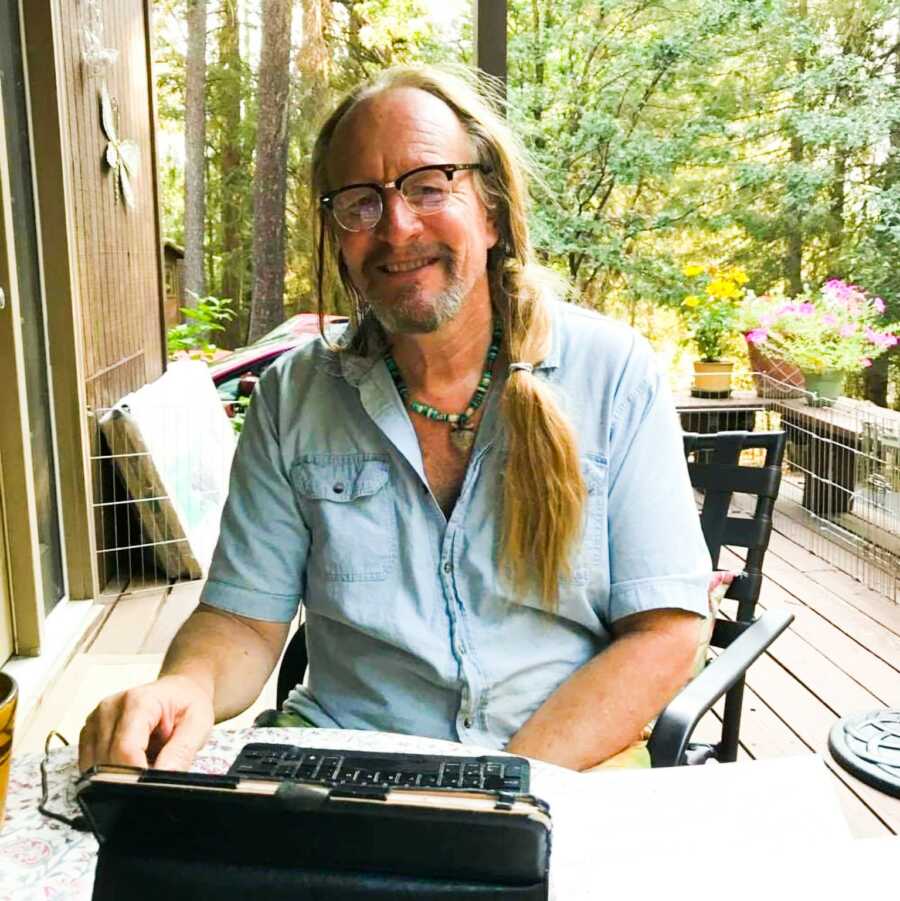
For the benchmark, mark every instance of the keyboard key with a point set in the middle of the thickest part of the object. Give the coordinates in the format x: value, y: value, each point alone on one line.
x: 471, y: 782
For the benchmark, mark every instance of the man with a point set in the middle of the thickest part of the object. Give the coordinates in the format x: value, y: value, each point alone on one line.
x: 480, y: 497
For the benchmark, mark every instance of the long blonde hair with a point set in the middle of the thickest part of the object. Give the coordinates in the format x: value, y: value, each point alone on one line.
x: 543, y: 489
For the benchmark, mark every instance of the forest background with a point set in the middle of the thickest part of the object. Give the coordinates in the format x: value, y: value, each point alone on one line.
x: 763, y: 134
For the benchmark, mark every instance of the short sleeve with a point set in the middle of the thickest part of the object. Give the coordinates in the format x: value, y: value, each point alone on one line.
x: 658, y: 556
x: 258, y: 568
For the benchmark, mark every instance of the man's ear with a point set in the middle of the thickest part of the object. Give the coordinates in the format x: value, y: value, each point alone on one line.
x: 493, y: 229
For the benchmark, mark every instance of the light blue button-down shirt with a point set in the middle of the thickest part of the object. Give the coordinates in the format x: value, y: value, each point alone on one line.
x: 409, y: 626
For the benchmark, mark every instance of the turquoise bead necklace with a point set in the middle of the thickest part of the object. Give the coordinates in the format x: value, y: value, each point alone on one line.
x: 462, y: 433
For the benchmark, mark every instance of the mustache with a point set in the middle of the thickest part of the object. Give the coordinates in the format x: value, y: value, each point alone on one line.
x: 411, y: 252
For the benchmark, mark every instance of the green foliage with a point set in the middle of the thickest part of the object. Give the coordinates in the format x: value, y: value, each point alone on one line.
x: 764, y: 134
x: 192, y: 337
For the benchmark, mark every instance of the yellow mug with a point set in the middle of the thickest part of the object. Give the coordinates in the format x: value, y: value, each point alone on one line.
x: 9, y: 694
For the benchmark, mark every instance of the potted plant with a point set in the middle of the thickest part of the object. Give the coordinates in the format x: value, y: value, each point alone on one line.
x: 826, y: 334
x: 709, y: 312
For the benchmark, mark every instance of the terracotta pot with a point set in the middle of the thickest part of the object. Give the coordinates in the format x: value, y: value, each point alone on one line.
x: 774, y: 377
x: 712, y: 379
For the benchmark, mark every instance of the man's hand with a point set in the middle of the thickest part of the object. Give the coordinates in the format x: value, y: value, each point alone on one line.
x: 162, y: 724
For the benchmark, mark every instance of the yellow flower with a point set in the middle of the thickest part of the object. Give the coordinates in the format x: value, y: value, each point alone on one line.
x: 691, y: 301
x: 692, y: 270
x: 737, y: 275
x: 724, y: 289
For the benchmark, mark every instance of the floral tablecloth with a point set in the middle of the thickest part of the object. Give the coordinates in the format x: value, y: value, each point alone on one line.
x: 43, y: 859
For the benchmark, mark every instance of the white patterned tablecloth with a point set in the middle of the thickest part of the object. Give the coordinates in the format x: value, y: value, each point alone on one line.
x: 43, y: 859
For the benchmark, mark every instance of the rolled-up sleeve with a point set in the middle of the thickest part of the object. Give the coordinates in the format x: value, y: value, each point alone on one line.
x: 258, y: 568
x: 658, y: 557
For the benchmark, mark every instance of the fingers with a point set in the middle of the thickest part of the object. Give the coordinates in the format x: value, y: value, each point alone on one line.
x: 129, y: 727
x: 190, y: 733
x: 117, y: 731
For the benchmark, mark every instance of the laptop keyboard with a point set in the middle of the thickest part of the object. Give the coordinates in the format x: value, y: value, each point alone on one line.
x: 337, y: 768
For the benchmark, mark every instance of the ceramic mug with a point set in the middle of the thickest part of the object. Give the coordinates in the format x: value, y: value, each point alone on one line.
x: 9, y: 694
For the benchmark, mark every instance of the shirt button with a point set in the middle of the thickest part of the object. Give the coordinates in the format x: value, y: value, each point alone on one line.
x: 447, y: 567
x: 338, y: 488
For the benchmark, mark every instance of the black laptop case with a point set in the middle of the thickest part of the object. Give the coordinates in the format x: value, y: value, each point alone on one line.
x: 189, y: 836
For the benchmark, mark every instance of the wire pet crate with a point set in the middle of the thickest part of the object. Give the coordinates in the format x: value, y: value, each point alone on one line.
x: 161, y: 459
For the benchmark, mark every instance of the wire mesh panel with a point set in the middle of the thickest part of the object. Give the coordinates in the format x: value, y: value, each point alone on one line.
x: 161, y: 459
x: 840, y: 492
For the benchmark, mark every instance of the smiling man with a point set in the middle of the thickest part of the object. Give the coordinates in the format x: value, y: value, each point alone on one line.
x: 479, y: 497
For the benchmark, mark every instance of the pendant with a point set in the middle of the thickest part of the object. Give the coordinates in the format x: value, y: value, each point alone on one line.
x: 463, y: 438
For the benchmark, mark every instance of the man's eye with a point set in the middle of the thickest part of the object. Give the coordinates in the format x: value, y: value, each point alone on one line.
x: 426, y: 192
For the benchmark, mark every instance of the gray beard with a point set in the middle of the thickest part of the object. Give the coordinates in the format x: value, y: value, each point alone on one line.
x: 401, y: 315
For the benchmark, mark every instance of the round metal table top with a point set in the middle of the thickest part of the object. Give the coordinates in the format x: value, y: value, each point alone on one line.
x: 867, y: 745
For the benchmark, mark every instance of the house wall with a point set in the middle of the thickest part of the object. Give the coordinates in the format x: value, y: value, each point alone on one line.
x: 117, y: 249
x: 101, y: 264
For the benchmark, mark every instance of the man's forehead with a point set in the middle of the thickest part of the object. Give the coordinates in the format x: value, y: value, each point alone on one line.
x: 401, y: 127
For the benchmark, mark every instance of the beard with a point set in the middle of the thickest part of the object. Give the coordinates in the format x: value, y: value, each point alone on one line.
x: 408, y: 312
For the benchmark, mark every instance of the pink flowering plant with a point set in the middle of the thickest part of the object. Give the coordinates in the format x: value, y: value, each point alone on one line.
x: 839, y: 328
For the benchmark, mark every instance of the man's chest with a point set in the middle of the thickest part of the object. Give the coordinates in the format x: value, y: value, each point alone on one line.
x: 444, y: 460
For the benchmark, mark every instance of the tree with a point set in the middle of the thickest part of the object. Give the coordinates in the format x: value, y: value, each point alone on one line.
x: 195, y: 151
x: 232, y: 169
x: 270, y: 175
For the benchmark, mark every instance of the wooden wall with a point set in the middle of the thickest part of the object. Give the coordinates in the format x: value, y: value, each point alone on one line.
x: 117, y: 250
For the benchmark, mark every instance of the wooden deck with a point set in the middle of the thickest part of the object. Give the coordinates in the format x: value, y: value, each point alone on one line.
x: 840, y: 656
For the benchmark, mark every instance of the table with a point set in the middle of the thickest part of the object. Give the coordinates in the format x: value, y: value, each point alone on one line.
x: 706, y: 415
x: 607, y: 826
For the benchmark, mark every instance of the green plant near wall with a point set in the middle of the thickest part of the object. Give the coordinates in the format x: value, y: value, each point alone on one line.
x: 193, y: 337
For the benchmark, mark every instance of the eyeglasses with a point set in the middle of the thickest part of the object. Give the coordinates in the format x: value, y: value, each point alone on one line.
x: 425, y: 190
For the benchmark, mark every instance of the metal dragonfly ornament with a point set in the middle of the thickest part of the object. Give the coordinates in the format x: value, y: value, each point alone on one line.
x: 123, y: 157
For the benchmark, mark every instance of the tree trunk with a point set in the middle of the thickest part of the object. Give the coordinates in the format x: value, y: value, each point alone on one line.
x: 793, y: 260
x: 232, y: 171
x: 875, y: 380
x: 195, y: 152
x: 270, y: 175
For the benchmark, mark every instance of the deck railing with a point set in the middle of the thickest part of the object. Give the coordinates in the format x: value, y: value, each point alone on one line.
x: 841, y: 482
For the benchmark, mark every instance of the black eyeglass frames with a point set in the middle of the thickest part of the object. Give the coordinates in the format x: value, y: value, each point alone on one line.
x: 425, y: 190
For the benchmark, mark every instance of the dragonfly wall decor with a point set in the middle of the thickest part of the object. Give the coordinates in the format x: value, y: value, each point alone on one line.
x: 122, y: 156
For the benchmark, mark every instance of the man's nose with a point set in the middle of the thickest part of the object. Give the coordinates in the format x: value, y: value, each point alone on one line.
x: 398, y: 222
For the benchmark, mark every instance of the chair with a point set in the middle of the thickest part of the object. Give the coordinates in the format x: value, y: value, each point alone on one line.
x: 717, y: 472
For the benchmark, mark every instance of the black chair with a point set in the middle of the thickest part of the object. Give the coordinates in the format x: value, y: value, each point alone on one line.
x: 715, y: 470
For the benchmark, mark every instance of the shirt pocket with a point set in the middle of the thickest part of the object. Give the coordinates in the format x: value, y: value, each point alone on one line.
x: 593, y: 553
x: 348, y: 506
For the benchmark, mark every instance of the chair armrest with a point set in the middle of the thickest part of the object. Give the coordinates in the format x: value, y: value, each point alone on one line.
x: 676, y: 723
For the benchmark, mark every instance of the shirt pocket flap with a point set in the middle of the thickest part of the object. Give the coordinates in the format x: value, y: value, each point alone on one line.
x: 342, y: 481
